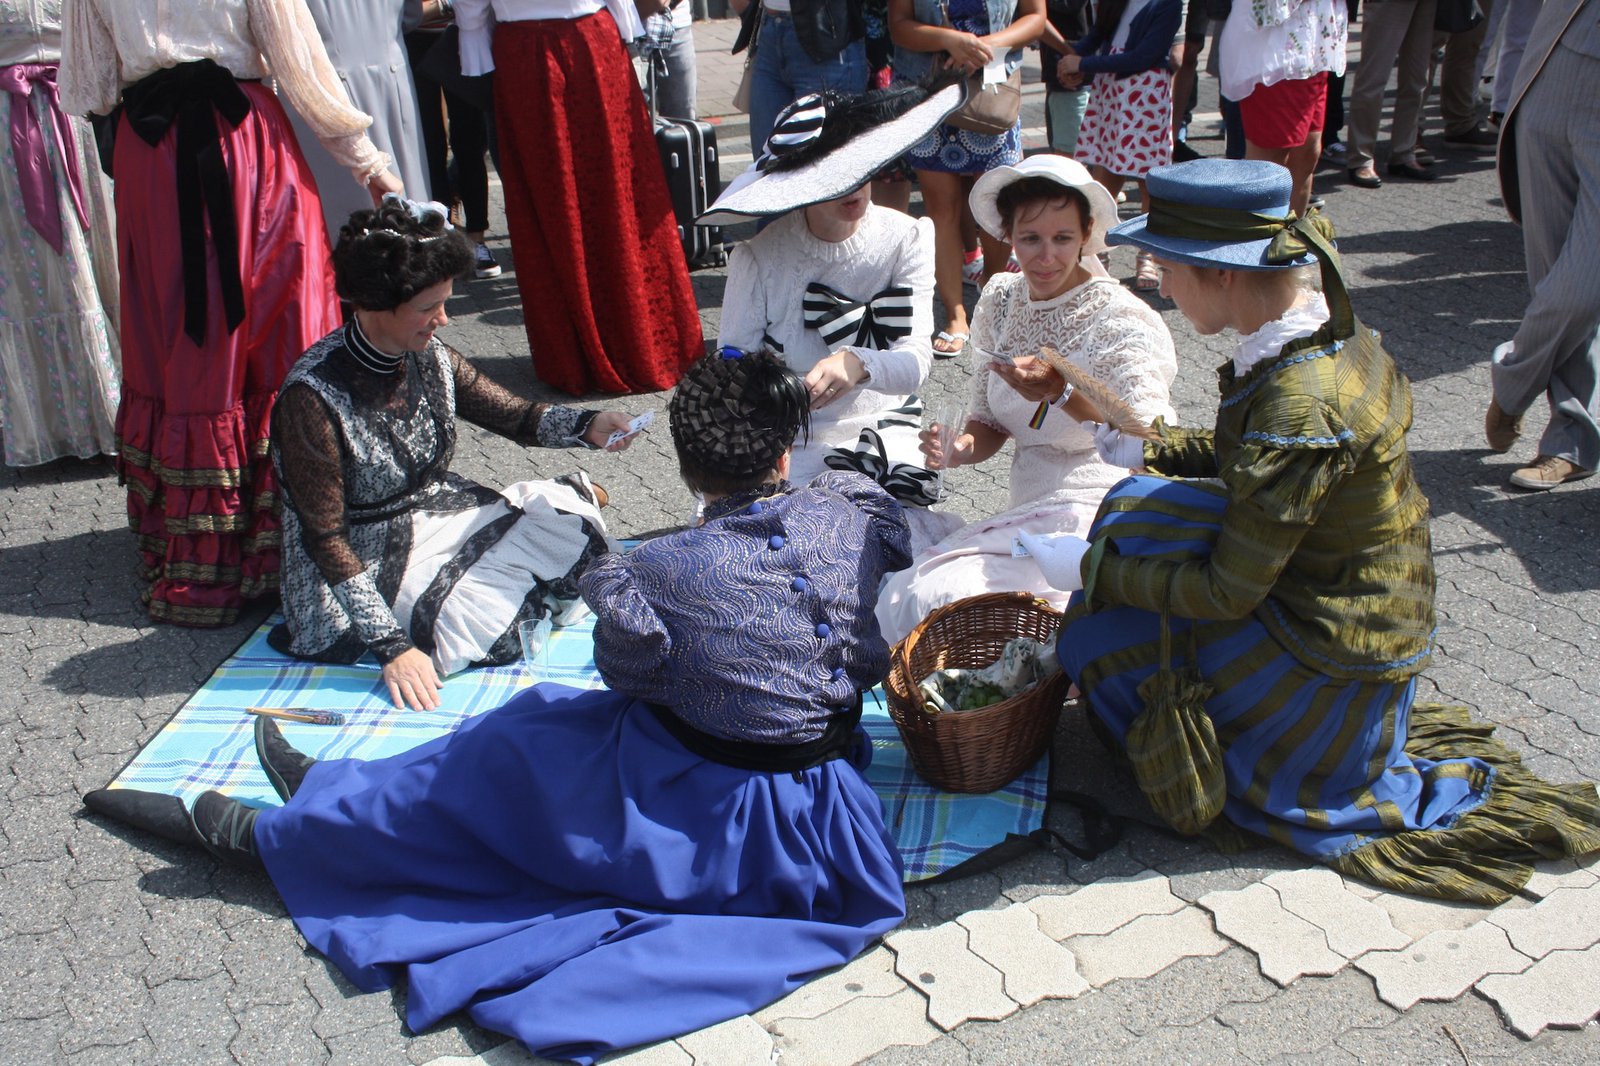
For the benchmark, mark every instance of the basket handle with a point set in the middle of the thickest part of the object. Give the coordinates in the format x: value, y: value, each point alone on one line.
x: 902, y: 656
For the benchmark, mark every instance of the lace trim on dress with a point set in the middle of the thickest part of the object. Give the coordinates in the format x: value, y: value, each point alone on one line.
x: 1301, y: 320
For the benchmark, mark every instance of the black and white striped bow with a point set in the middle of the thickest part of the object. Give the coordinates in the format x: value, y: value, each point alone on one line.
x: 909, y: 484
x: 876, y: 322
x: 796, y: 126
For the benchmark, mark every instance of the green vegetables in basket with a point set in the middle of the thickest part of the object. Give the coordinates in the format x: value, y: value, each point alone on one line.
x: 1023, y: 663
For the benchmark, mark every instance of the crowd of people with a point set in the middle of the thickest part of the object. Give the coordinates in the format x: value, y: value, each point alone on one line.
x: 1247, y: 606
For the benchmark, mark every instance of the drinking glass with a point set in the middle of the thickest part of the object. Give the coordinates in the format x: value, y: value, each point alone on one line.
x: 950, y: 420
x: 535, y: 636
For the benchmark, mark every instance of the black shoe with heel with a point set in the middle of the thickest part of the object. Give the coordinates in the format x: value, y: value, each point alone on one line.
x: 1365, y: 181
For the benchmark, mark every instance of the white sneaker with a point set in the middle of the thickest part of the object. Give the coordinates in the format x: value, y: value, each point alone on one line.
x: 483, y: 264
x: 972, y: 271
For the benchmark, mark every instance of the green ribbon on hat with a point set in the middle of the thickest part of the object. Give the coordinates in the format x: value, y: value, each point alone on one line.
x: 1291, y: 238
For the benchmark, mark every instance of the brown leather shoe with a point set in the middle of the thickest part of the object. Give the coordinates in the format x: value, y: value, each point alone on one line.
x: 1501, y: 429
x: 1548, y: 471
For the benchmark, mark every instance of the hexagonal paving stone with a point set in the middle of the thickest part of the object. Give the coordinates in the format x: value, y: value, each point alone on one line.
x: 1034, y: 966
x: 1287, y: 945
x: 1441, y: 965
x: 1099, y: 908
x: 1350, y: 921
x: 1146, y: 946
x: 736, y: 1042
x: 1549, y: 876
x: 870, y: 976
x: 959, y: 985
x: 1568, y: 919
x: 852, y: 1032
x: 1562, y: 990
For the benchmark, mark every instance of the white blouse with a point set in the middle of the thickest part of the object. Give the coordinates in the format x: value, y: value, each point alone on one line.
x: 1264, y: 42
x: 110, y: 44
x: 476, y: 20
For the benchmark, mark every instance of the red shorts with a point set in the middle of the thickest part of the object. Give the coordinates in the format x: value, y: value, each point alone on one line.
x: 1284, y: 114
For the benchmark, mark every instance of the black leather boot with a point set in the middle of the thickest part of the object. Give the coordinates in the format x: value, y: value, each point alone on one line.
x: 285, y: 764
x: 154, y: 812
x: 227, y: 829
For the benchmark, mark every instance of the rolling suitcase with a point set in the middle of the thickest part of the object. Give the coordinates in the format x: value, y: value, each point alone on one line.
x: 689, y: 159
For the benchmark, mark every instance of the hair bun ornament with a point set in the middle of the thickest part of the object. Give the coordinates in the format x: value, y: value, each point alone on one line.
x: 728, y: 351
x: 737, y: 415
x: 421, y: 211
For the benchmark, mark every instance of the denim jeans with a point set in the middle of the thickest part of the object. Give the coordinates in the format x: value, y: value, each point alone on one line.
x: 783, y: 73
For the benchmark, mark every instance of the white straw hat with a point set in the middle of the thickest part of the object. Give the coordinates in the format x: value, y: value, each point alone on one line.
x: 824, y: 146
x: 1056, y: 168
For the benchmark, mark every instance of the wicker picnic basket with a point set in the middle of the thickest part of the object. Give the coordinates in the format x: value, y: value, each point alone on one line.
x: 984, y: 749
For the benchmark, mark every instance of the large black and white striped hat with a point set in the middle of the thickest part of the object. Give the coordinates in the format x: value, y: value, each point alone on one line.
x: 825, y: 145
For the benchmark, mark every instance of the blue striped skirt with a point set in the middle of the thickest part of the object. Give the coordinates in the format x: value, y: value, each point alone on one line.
x: 1323, y: 765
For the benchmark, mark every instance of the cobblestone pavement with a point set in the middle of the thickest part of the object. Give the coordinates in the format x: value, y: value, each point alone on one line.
x: 118, y: 948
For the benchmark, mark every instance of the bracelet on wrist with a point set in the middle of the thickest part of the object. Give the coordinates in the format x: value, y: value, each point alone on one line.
x: 1060, y: 402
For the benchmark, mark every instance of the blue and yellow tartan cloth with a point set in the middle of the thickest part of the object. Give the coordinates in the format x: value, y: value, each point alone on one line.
x: 209, y: 743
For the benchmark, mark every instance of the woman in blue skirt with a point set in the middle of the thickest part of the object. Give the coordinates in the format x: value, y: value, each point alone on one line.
x: 1254, y: 618
x: 592, y: 870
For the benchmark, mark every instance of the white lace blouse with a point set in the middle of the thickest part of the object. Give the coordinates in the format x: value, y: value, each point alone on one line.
x: 108, y: 45
x: 1097, y: 325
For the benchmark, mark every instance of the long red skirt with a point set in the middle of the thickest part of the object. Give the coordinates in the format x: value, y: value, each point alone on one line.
x: 605, y: 290
x: 192, y: 426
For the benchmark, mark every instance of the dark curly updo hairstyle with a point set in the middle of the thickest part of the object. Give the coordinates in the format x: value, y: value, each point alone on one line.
x: 1041, y: 193
x: 386, y: 256
x: 733, y: 416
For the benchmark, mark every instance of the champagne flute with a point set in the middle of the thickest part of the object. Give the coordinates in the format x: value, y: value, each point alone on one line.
x: 949, y: 422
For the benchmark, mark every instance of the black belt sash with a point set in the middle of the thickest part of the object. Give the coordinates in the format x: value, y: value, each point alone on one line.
x: 186, y: 95
x: 836, y: 742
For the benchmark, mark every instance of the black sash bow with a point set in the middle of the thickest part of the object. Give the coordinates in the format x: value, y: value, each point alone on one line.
x: 186, y: 95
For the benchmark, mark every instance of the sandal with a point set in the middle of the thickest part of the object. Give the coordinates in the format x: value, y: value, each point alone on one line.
x: 953, y: 344
x: 1146, y: 275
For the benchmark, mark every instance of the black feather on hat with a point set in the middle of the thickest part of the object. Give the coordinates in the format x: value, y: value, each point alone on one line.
x: 826, y: 145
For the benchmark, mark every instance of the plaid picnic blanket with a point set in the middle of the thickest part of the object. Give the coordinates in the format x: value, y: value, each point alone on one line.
x: 209, y: 743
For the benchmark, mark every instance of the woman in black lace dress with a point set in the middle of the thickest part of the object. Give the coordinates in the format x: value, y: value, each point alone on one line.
x: 385, y: 550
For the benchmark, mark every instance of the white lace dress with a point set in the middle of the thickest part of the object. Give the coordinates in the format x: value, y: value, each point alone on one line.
x: 1057, y: 477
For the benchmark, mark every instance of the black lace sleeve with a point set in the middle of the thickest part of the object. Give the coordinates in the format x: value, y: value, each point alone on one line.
x: 313, y: 480
x: 484, y: 403
x: 313, y: 485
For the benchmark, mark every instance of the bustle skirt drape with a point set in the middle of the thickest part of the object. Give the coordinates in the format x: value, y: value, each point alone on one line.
x: 193, y: 422
x: 605, y: 289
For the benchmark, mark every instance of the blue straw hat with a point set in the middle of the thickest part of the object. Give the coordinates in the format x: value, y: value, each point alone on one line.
x: 1212, y: 188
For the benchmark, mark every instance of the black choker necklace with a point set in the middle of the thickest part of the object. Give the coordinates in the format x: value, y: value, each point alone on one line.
x: 366, y: 353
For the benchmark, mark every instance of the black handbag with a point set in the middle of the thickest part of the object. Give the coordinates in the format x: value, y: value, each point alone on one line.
x: 1456, y: 16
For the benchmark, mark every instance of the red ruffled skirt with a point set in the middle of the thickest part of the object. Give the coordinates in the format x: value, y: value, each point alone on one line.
x: 605, y: 290
x: 193, y: 423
